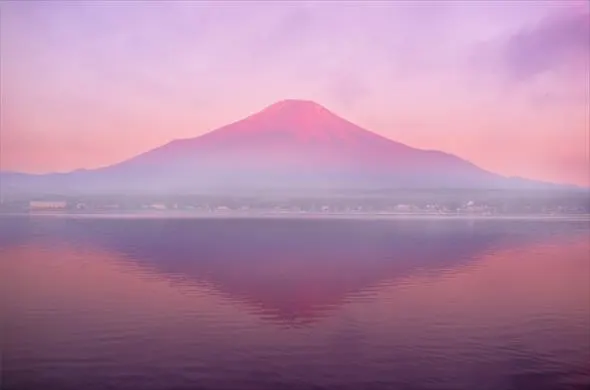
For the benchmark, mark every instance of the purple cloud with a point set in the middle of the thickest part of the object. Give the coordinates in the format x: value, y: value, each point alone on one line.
x: 548, y: 46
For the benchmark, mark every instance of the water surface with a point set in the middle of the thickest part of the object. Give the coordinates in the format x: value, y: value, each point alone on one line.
x: 166, y: 304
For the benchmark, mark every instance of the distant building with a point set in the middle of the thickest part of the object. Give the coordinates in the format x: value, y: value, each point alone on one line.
x: 47, y: 205
x: 158, y: 206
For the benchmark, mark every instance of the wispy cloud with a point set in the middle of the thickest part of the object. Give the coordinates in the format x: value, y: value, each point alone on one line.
x: 554, y: 44
x: 545, y: 62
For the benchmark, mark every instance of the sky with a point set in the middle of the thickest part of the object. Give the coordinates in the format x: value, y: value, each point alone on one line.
x: 503, y: 84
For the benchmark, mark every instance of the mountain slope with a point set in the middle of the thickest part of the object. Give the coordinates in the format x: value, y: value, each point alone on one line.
x: 290, y: 144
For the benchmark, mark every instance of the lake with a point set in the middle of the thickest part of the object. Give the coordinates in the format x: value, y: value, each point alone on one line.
x: 170, y: 304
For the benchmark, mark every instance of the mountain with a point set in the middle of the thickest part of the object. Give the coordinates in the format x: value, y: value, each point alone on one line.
x: 289, y: 144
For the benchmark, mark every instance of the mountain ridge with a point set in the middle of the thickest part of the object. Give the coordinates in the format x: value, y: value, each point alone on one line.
x: 290, y: 143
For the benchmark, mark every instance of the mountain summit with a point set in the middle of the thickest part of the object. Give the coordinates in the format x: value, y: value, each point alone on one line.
x: 304, y: 119
x: 300, y: 113
x: 289, y: 144
x: 295, y: 107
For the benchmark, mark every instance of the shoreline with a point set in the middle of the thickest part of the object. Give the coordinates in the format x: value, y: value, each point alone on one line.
x: 287, y: 215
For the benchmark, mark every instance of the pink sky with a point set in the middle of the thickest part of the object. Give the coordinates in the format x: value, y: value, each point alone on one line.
x: 502, y: 84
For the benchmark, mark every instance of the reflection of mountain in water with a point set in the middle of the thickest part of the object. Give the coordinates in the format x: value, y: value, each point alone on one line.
x: 294, y: 270
x: 291, y: 270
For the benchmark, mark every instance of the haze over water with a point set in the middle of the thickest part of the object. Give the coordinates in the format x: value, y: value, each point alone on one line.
x: 89, y: 303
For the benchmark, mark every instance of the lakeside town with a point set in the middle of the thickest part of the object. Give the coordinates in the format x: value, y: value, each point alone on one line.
x: 412, y: 204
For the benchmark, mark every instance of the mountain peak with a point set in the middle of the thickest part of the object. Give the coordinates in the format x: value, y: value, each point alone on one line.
x: 296, y: 107
x: 295, y: 103
x: 300, y: 119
